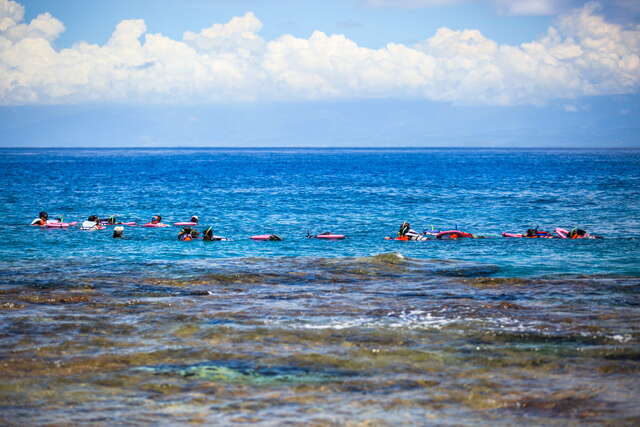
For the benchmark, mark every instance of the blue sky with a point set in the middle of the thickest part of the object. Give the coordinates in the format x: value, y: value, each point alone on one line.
x: 308, y: 73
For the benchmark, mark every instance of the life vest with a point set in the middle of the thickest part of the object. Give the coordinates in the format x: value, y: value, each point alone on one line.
x: 89, y: 225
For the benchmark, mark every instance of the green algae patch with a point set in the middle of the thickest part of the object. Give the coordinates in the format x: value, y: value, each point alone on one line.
x: 232, y: 373
x: 186, y: 331
x: 388, y: 258
x: 214, y: 279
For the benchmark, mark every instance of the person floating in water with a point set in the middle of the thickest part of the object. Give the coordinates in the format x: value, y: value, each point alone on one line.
x: 92, y: 223
x: 575, y: 233
x: 534, y: 233
x: 41, y: 220
x: 208, y: 236
x: 195, y: 219
x: 187, y: 233
x: 407, y: 232
x: 111, y: 220
x: 578, y: 233
x: 118, y: 231
x: 156, y: 219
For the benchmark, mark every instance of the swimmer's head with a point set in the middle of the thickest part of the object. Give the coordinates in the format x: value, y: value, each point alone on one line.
x: 43, y: 215
x: 194, y: 219
x: 117, y: 232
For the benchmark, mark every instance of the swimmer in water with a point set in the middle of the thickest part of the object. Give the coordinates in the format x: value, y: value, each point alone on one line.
x: 156, y: 219
x: 41, y: 220
x: 535, y: 233
x: 578, y: 233
x: 407, y: 231
x: 195, y: 219
x: 92, y: 223
x: 108, y: 221
x: 187, y: 233
x: 207, y: 236
x: 117, y: 232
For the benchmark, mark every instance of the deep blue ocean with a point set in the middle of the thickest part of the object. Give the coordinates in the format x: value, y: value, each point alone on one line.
x: 148, y: 329
x: 364, y: 194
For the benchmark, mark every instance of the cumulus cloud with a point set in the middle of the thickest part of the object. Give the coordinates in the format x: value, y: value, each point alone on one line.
x: 582, y: 54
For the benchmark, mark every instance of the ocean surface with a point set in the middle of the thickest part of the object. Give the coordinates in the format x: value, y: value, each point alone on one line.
x: 362, y: 331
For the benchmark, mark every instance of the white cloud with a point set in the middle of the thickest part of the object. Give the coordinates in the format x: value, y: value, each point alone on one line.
x: 12, y: 10
x: 582, y: 54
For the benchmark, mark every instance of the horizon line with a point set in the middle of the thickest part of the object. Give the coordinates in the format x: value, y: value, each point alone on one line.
x: 384, y: 147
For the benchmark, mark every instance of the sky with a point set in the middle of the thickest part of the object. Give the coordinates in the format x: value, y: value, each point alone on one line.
x: 393, y: 73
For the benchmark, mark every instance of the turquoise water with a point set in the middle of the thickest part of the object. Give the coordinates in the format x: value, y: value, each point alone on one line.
x: 149, y: 329
x: 364, y: 194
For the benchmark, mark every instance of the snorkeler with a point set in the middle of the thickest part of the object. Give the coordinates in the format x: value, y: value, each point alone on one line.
x: 534, y: 233
x: 208, y: 236
x: 41, y: 220
x: 111, y: 220
x: 187, y: 233
x: 408, y: 232
x: 117, y: 232
x: 575, y: 233
x: 92, y: 223
x: 578, y: 233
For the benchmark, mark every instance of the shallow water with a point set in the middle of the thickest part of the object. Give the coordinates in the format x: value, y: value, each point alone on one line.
x: 366, y: 331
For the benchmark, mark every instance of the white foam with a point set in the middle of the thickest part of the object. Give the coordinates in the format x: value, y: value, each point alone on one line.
x: 414, y: 319
x: 621, y: 338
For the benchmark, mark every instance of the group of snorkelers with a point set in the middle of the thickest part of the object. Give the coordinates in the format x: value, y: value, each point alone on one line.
x: 94, y: 222
x: 405, y: 232
x: 188, y: 233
